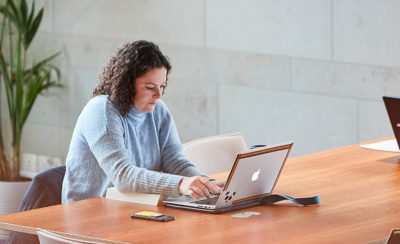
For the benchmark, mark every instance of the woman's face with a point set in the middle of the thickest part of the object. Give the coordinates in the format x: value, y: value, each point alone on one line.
x: 149, y: 88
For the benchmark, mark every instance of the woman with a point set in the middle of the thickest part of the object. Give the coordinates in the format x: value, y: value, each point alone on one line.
x: 126, y: 137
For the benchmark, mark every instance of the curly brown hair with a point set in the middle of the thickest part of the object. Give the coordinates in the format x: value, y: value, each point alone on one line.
x: 131, y: 61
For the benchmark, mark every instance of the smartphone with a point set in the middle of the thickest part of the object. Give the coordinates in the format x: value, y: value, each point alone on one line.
x: 152, y: 216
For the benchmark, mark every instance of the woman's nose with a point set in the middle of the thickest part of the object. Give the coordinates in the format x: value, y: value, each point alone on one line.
x: 158, y: 92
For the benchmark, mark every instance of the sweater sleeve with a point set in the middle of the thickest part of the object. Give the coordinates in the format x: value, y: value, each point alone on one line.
x: 105, y: 137
x: 172, y: 158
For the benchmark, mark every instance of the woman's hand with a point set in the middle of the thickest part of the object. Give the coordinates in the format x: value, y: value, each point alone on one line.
x: 220, y: 183
x: 199, y: 186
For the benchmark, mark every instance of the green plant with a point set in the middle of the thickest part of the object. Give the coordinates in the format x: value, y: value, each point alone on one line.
x: 22, y: 82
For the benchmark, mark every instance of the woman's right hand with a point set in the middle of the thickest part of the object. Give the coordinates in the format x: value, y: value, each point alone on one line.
x: 198, y: 186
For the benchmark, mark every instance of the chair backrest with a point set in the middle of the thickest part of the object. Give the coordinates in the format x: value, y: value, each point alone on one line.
x: 45, y: 190
x: 214, y: 154
x: 49, y: 237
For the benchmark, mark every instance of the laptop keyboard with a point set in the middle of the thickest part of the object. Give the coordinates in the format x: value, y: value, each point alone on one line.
x: 208, y: 201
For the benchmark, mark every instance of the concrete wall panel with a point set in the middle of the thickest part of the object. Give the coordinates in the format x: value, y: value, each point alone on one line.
x: 314, y: 122
x: 367, y: 32
x: 288, y: 28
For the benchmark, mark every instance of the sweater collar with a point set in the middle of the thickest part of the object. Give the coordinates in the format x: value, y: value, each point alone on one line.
x: 136, y: 114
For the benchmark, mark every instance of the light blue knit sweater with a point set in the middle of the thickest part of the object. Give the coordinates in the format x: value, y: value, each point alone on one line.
x: 126, y: 152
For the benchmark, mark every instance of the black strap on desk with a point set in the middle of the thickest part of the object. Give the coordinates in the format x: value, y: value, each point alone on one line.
x: 271, y: 199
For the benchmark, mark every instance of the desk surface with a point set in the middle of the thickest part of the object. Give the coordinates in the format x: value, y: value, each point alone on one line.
x: 360, y: 202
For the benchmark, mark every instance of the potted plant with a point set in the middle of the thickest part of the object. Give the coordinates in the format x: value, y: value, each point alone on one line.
x: 22, y: 82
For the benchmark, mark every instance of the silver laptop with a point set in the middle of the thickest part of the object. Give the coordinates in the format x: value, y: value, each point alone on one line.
x: 392, y: 105
x: 253, y: 176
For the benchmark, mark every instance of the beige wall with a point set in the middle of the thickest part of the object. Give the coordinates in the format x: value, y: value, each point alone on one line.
x: 312, y: 71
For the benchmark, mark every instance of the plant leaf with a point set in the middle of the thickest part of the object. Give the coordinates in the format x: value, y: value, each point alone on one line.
x: 31, y: 32
x: 13, y: 14
x: 45, y: 61
x: 29, y: 20
x: 37, y: 84
x: 23, y: 9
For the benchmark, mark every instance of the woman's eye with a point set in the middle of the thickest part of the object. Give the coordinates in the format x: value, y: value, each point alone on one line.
x: 163, y: 87
x: 149, y: 88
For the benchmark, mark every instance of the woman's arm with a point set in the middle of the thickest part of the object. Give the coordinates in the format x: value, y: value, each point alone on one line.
x: 173, y: 160
x: 103, y: 129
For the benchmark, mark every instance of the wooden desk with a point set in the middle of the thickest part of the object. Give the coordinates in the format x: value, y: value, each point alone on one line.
x: 359, y: 190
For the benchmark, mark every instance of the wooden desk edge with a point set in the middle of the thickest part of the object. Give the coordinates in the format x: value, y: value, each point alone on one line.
x: 33, y: 231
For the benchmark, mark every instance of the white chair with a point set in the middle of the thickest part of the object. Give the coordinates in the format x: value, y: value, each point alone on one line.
x: 49, y: 237
x: 214, y: 154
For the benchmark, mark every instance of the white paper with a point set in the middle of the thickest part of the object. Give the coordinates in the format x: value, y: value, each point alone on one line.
x: 389, y: 146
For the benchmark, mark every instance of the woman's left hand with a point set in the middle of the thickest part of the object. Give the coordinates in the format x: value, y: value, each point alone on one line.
x: 220, y: 183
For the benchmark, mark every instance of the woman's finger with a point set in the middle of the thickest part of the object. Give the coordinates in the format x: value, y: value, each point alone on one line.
x: 200, y: 184
x: 212, y: 187
x: 193, y: 194
x: 220, y: 183
x: 197, y: 191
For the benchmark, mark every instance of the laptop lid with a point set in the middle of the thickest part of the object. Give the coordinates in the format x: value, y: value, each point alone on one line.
x: 253, y: 175
x: 392, y: 105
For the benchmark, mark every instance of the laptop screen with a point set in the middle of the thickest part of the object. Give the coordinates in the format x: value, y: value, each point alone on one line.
x: 392, y: 105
